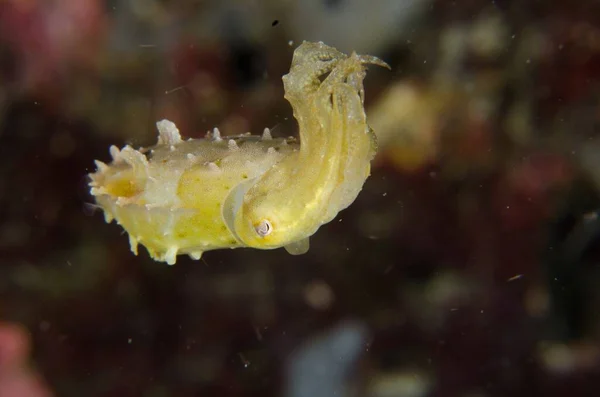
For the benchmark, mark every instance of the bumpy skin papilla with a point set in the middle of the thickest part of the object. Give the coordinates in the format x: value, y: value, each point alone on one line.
x: 190, y: 196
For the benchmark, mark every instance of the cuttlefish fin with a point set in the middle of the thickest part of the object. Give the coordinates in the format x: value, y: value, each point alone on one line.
x: 298, y: 247
x: 232, y: 204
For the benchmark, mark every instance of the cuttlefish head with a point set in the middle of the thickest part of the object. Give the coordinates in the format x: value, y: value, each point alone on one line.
x: 292, y: 199
x: 255, y: 221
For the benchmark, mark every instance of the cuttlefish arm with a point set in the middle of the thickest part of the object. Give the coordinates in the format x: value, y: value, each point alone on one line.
x: 290, y: 201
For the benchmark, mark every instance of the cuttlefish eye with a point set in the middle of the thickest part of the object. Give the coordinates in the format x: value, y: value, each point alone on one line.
x: 263, y: 228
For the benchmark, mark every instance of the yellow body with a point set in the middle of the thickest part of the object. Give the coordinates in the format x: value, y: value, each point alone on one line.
x: 187, y: 197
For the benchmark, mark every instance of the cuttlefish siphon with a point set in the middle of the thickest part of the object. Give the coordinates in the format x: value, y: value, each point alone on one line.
x: 191, y: 196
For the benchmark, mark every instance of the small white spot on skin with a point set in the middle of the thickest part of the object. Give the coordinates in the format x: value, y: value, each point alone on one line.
x: 196, y: 255
x: 133, y: 244
x: 171, y: 255
x: 266, y: 136
x: 191, y: 157
x: 271, y: 150
x: 216, y: 135
x: 121, y: 201
x: 168, y: 134
x: 100, y: 166
x: 213, y: 167
x: 108, y: 218
x: 232, y: 145
x: 169, y: 226
x: 99, y: 191
x: 133, y: 157
x: 172, y: 148
x: 137, y: 160
x: 114, y: 153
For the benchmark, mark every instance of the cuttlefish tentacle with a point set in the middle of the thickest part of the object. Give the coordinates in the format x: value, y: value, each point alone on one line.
x: 356, y: 154
x: 309, y: 63
x: 333, y: 162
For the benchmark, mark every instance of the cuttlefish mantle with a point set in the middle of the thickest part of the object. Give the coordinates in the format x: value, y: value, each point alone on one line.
x: 191, y: 196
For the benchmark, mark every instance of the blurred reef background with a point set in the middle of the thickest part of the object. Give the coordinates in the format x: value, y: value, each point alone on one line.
x: 468, y: 266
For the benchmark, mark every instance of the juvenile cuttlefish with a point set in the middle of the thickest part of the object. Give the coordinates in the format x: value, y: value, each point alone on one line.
x: 196, y: 195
